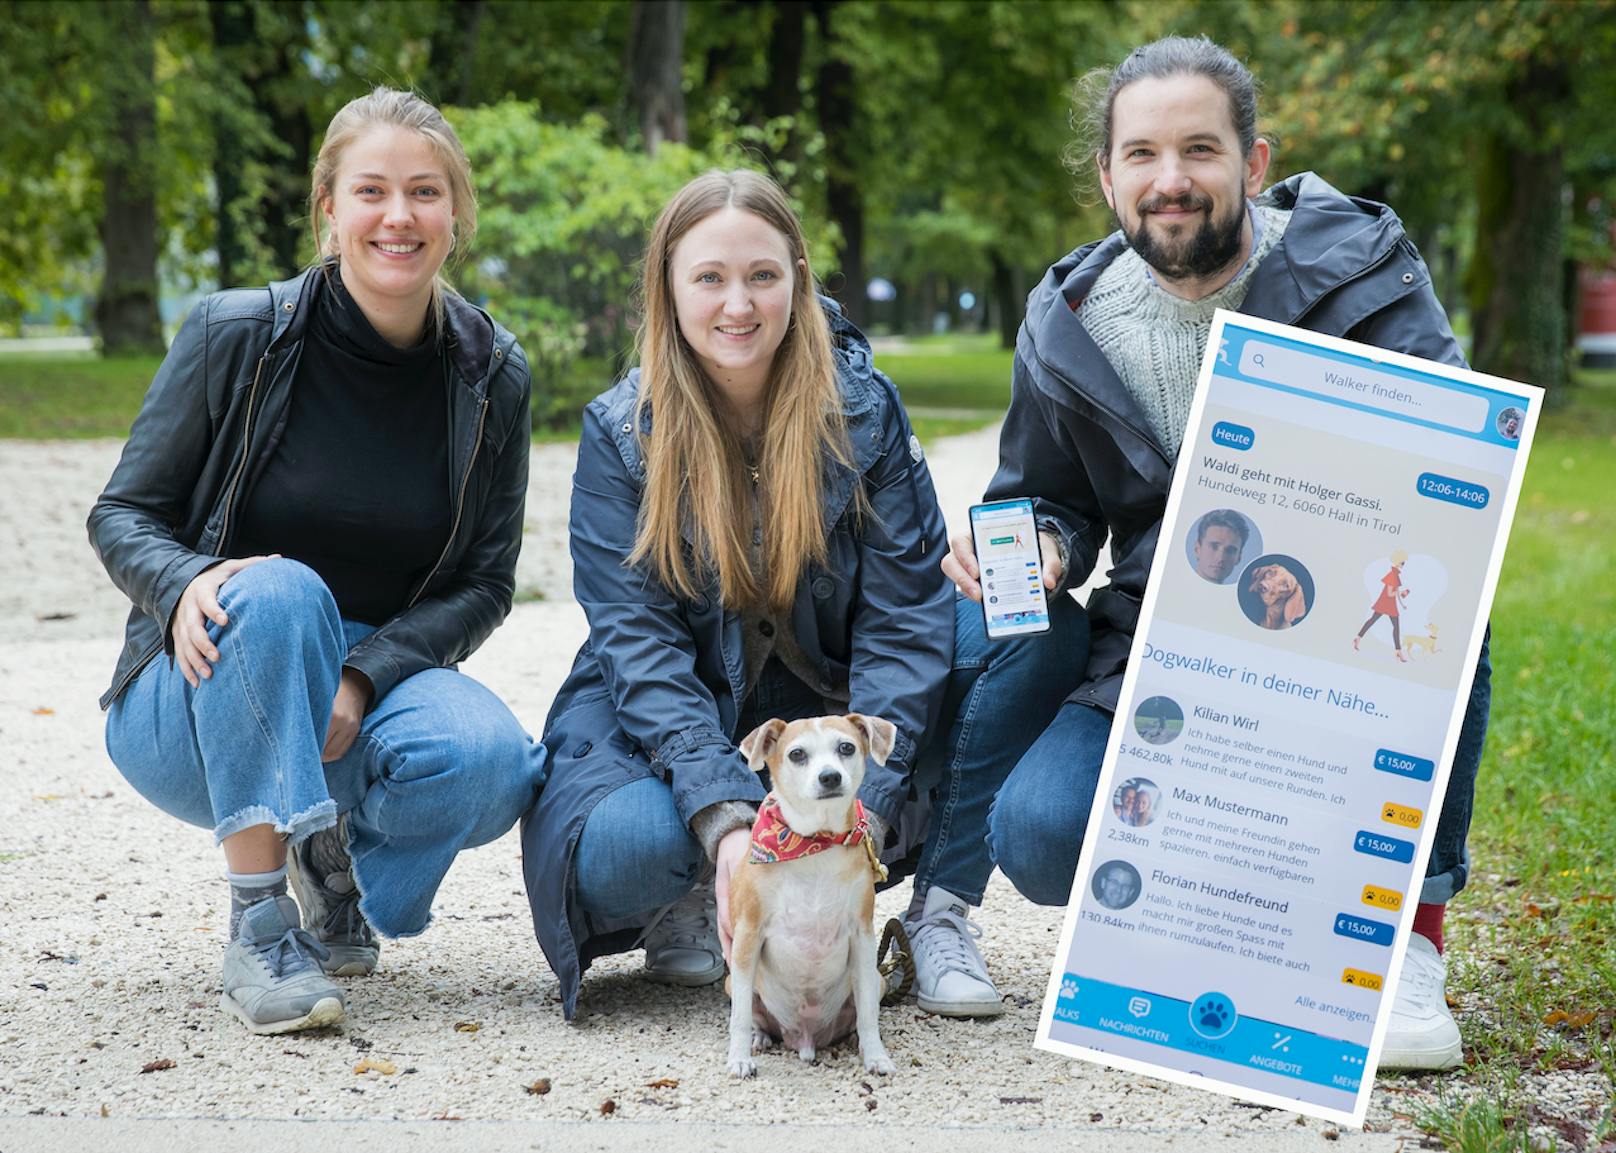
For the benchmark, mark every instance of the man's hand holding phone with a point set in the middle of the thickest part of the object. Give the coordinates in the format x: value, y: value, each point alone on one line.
x: 1007, y: 566
x: 959, y: 564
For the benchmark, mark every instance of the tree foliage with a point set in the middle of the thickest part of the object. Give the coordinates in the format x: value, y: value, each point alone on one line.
x: 924, y: 142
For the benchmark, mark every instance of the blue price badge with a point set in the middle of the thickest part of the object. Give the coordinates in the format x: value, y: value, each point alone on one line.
x: 1363, y: 929
x: 1380, y: 845
x: 1404, y: 765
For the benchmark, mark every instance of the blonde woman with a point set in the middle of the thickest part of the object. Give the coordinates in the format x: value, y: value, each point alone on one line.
x: 317, y: 514
x: 754, y: 534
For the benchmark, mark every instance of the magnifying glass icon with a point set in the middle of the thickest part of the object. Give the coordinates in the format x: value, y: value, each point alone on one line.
x: 1257, y: 359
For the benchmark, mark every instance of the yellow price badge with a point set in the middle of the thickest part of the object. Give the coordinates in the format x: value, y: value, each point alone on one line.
x: 1404, y: 816
x: 1362, y: 979
x: 1382, y: 898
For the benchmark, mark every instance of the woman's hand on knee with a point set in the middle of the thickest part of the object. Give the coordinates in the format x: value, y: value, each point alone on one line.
x: 194, y: 650
x: 347, y: 713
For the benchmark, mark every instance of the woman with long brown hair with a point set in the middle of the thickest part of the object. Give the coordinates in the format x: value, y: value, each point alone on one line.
x: 754, y: 535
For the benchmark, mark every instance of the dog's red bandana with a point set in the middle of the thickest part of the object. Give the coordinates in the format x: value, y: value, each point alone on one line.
x: 773, y: 840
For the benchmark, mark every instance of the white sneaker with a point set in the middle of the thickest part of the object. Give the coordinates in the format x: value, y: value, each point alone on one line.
x: 951, y: 979
x: 1422, y: 1033
x: 682, y: 945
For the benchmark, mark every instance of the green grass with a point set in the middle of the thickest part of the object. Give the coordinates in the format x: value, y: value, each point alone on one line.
x: 71, y: 395
x: 1534, y: 932
x: 47, y: 396
x: 1533, y: 968
x: 950, y: 385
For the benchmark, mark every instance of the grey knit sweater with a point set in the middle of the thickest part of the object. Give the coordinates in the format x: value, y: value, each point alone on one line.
x: 1155, y: 340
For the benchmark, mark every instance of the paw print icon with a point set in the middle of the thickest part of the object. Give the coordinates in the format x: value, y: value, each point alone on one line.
x: 1213, y: 1015
x: 1068, y: 989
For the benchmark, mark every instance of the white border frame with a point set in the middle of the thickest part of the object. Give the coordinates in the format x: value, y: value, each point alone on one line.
x: 1165, y: 556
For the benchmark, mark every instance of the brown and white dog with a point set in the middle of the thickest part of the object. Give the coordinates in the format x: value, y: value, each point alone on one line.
x: 802, y: 904
x: 1281, y: 595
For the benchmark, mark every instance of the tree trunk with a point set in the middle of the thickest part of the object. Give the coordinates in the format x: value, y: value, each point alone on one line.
x: 844, y: 199
x: 452, y: 64
x: 126, y: 313
x: 1008, y: 304
x: 267, y: 54
x: 232, y: 31
x: 1520, y: 325
x: 656, y: 70
x: 782, y: 93
x: 280, y: 91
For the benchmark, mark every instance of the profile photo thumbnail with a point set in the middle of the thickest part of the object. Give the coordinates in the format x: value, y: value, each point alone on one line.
x: 1116, y: 884
x: 1218, y: 543
x: 1276, y: 592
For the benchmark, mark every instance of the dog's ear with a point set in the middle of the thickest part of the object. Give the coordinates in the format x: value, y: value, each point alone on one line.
x: 760, y: 742
x: 880, y: 735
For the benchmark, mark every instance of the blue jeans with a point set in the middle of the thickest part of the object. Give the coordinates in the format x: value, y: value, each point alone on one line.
x: 1001, y: 695
x: 439, y: 764
x: 635, y: 855
x: 1036, y: 826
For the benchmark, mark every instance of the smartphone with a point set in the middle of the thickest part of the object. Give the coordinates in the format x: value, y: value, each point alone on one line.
x: 1011, y: 566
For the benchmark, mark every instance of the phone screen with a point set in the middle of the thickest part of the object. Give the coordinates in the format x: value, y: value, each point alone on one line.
x: 1007, y: 554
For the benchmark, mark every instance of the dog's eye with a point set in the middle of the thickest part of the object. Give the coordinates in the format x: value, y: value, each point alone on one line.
x: 797, y: 756
x: 846, y: 749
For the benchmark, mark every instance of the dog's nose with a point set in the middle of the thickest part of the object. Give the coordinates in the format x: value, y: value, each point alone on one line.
x: 830, y: 779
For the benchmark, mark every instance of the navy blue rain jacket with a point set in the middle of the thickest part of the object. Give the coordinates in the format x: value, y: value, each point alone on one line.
x: 1075, y: 439
x: 657, y: 687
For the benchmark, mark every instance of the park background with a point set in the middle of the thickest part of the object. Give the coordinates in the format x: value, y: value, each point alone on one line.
x: 154, y: 150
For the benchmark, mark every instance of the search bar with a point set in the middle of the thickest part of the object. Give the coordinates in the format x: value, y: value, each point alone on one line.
x: 1397, y: 395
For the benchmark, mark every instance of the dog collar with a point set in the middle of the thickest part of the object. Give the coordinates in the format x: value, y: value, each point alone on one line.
x: 773, y: 840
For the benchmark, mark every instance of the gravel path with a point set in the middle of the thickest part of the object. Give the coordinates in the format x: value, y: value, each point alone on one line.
x: 113, y: 918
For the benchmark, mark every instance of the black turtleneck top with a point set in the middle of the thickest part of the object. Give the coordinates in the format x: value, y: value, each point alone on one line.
x: 358, y: 487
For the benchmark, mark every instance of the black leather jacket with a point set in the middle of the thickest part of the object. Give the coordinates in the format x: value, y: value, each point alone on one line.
x: 212, y: 418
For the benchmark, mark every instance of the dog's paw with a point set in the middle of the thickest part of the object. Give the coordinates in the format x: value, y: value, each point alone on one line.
x: 742, y: 1067
x: 879, y: 1063
x: 762, y: 1040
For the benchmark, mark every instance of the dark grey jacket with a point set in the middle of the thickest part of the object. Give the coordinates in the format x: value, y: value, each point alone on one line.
x: 212, y: 418
x: 657, y: 687
x: 1075, y: 441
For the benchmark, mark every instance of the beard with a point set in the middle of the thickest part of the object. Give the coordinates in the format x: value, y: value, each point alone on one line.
x: 1209, y: 249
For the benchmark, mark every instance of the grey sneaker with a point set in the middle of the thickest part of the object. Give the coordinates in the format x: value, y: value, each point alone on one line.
x: 951, y: 979
x: 681, y: 945
x: 272, y: 976
x: 321, y: 874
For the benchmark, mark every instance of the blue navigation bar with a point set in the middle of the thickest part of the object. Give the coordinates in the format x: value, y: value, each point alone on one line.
x: 1212, y: 1026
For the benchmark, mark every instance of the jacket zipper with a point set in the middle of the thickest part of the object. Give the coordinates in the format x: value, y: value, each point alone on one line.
x: 460, y: 503
x: 246, y: 443
x: 246, y: 446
